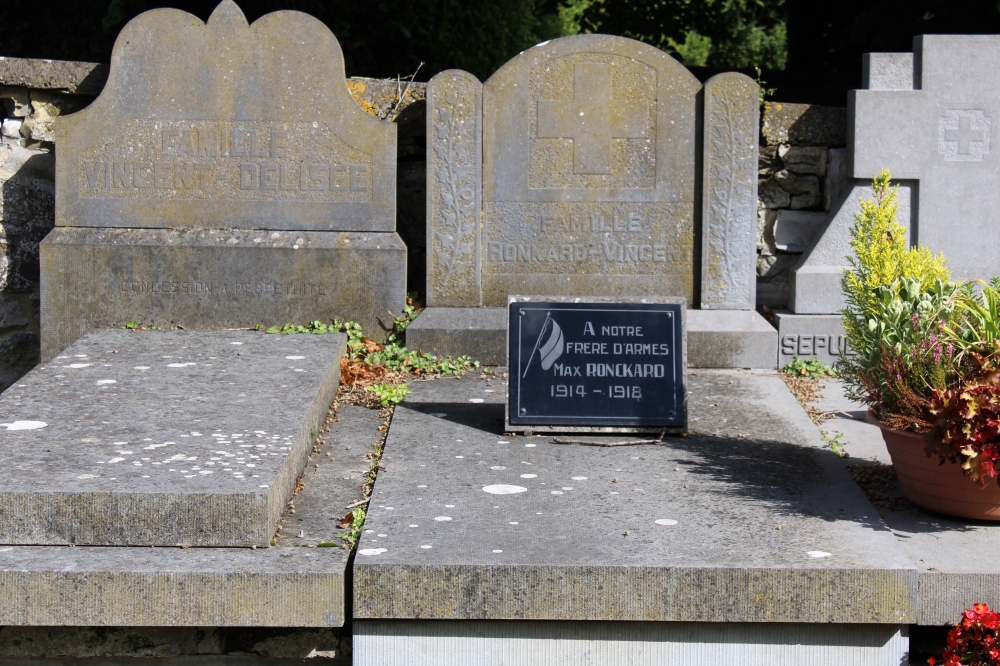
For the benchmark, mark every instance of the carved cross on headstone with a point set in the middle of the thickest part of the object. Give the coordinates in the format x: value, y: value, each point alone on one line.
x: 965, y: 135
x: 592, y: 119
x: 934, y: 122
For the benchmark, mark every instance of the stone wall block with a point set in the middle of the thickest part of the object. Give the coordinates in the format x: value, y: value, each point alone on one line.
x: 768, y: 162
x: 45, y: 107
x: 454, y: 189
x: 771, y: 195
x: 804, y: 125
x: 794, y: 183
x: 729, y: 192
x: 803, y: 159
x: 16, y: 102
x: 765, y: 231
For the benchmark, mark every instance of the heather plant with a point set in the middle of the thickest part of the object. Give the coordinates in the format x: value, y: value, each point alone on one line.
x: 927, y: 349
x: 900, y: 316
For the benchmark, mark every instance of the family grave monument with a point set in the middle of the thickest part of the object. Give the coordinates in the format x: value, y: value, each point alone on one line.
x: 225, y: 177
x: 592, y: 166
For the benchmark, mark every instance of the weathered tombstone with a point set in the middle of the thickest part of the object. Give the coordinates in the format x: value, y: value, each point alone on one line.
x: 589, y: 187
x: 225, y: 177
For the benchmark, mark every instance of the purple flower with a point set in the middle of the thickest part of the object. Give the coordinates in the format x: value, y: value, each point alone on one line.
x: 949, y: 350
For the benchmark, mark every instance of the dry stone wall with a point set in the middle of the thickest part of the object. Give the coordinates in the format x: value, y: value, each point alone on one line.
x: 33, y: 94
x: 802, y: 172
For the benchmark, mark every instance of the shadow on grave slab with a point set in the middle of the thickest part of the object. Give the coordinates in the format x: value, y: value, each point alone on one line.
x: 485, y: 417
x: 792, y: 479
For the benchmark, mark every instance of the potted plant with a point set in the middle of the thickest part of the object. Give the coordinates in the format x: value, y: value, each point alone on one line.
x: 927, y: 363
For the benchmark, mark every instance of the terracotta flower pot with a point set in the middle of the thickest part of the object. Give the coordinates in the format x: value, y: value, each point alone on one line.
x: 941, y: 488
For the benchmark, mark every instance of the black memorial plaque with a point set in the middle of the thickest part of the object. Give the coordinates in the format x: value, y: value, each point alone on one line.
x: 596, y: 365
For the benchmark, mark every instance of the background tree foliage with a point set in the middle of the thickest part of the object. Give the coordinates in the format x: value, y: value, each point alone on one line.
x: 811, y: 40
x: 380, y: 38
x: 719, y: 33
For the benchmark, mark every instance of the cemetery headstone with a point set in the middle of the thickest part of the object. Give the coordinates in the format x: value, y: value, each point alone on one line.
x: 925, y: 116
x: 225, y: 177
x: 580, y: 365
x: 574, y: 171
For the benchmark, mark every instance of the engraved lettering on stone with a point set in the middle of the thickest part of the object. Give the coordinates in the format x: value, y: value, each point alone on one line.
x: 225, y: 160
x: 609, y: 239
x: 964, y: 135
x: 591, y: 119
x: 134, y: 286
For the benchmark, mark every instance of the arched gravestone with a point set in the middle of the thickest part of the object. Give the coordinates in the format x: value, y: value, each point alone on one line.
x: 224, y: 177
x: 589, y: 166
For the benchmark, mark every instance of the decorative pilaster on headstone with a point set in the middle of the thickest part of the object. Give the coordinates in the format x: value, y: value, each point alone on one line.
x: 454, y: 189
x: 729, y: 193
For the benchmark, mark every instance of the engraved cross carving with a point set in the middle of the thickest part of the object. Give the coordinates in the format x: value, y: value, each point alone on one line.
x: 965, y: 135
x: 592, y: 120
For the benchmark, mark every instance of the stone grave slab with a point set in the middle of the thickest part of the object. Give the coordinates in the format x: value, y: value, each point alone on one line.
x: 954, y: 557
x: 467, y: 524
x: 215, y: 127
x: 810, y: 336
x: 298, y: 582
x: 162, y: 438
x: 480, y: 333
x: 730, y: 339
x: 752, y: 463
x: 541, y: 643
x: 214, y: 278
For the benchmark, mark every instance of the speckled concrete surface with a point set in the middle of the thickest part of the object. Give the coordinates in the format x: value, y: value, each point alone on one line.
x: 292, y: 584
x: 162, y: 438
x: 746, y: 519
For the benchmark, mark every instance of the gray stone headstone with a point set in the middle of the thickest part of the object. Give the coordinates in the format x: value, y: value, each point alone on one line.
x: 729, y: 193
x: 938, y: 130
x: 589, y: 151
x: 226, y: 125
x: 219, y: 127
x: 590, y: 187
x: 589, y: 158
x: 454, y: 189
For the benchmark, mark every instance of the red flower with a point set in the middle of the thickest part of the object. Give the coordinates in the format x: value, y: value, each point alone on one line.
x: 972, y: 642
